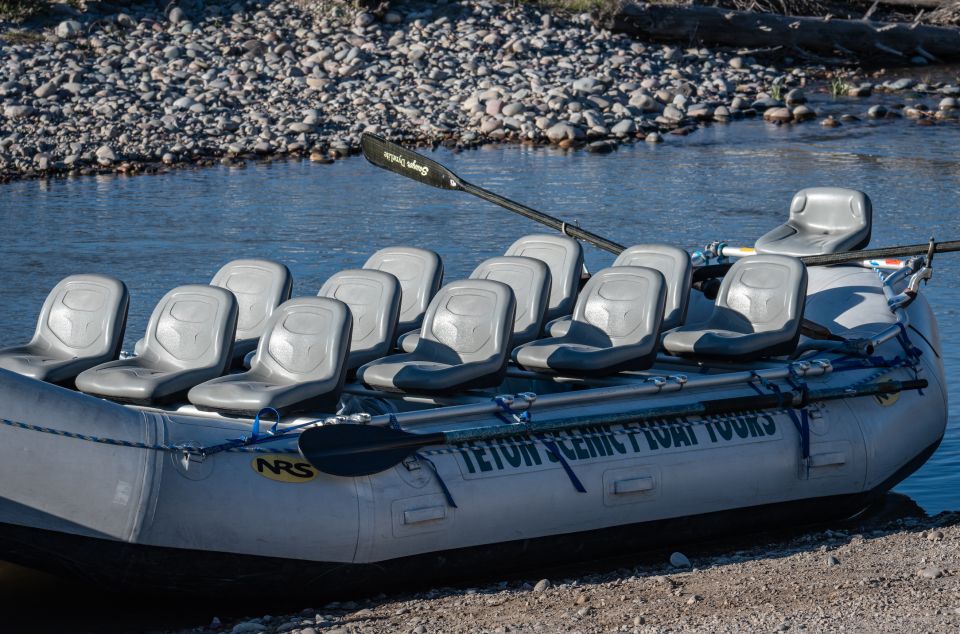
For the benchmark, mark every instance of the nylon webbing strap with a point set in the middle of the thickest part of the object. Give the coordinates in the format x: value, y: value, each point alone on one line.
x: 436, y: 476
x: 801, y: 421
x: 551, y: 445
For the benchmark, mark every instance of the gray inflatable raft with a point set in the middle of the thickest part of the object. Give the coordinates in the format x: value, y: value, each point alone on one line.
x: 169, y: 498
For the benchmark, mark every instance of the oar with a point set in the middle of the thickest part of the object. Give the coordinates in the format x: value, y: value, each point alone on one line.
x: 395, y: 158
x: 356, y: 450
x: 857, y: 256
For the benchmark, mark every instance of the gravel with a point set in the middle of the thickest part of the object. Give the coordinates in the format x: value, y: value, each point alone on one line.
x: 272, y: 79
x: 896, y: 576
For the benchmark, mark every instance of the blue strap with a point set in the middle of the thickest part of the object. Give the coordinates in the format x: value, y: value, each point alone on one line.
x: 438, y: 478
x: 551, y: 446
x: 256, y: 422
x: 801, y: 421
x: 913, y: 352
x: 519, y: 417
x: 393, y: 423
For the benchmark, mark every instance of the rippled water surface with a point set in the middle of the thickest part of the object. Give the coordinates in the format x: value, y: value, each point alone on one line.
x: 726, y: 182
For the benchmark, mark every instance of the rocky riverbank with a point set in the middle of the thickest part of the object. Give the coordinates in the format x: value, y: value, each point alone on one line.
x: 894, y: 576
x: 142, y: 88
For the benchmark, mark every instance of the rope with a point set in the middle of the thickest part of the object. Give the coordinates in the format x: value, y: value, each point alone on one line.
x: 184, y: 448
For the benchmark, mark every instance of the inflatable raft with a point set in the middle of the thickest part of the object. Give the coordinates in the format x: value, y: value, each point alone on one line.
x: 271, y: 444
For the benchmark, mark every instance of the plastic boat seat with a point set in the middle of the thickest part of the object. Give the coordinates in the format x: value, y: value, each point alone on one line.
x: 464, y: 343
x: 81, y: 325
x: 420, y: 273
x: 615, y: 326
x: 822, y: 220
x: 260, y: 286
x: 189, y: 340
x: 673, y: 262
x: 374, y: 299
x: 564, y: 256
x: 529, y: 279
x: 757, y: 312
x: 300, y: 363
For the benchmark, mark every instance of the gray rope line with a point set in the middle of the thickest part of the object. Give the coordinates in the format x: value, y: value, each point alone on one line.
x: 180, y: 449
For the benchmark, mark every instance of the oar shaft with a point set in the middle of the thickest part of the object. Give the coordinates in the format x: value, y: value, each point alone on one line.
x: 398, y: 159
x: 877, y: 254
x: 701, y: 408
x: 554, y: 223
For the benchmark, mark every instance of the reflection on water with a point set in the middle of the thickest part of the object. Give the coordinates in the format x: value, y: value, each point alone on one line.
x: 726, y: 182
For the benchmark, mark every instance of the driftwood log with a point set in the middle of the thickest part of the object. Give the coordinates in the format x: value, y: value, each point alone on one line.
x: 918, y: 4
x: 870, y: 43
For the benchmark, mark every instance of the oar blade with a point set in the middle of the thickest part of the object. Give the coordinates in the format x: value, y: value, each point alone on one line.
x: 391, y: 156
x: 356, y: 450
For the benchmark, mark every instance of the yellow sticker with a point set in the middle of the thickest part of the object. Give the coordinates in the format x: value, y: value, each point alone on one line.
x: 886, y: 400
x: 283, y: 467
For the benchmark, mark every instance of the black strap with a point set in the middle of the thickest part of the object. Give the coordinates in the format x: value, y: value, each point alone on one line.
x: 550, y: 445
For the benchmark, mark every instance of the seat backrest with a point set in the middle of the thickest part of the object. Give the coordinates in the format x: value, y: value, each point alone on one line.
x: 674, y: 263
x: 832, y: 209
x: 420, y: 273
x: 260, y: 286
x: 83, y: 316
x: 374, y: 301
x: 529, y: 279
x: 767, y: 291
x: 564, y: 256
x: 192, y: 327
x: 619, y: 306
x: 306, y: 339
x: 468, y: 320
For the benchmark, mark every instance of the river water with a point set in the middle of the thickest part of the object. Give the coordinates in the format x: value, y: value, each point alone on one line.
x: 730, y: 183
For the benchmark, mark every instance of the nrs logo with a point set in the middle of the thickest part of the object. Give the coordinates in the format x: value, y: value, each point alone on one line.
x: 886, y: 400
x: 284, y: 467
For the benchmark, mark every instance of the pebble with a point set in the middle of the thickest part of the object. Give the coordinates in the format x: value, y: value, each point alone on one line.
x: 778, y: 115
x: 654, y: 137
x: 833, y: 561
x: 804, y: 113
x: 901, y: 84
x: 542, y: 586
x: 795, y: 97
x: 564, y: 131
x: 877, y: 112
x: 68, y: 29
x: 830, y: 122
x: 948, y: 103
x: 930, y: 572
x: 679, y: 560
x: 16, y: 111
x: 624, y: 128
x: 105, y: 155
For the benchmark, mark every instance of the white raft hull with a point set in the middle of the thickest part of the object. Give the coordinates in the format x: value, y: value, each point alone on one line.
x: 143, y: 516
